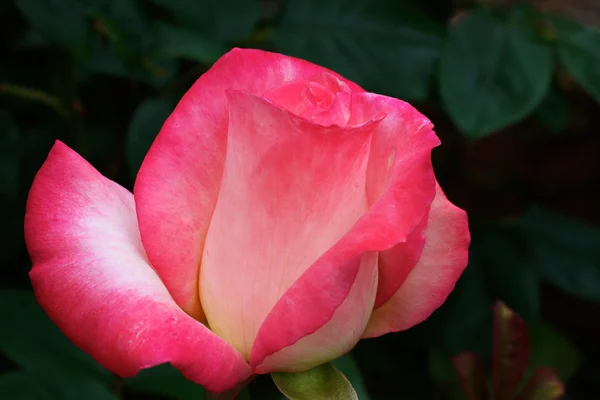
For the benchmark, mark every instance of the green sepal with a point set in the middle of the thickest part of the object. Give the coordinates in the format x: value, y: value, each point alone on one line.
x: 323, y: 382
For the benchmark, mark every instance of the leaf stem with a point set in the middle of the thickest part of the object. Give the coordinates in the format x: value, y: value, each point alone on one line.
x: 36, y: 96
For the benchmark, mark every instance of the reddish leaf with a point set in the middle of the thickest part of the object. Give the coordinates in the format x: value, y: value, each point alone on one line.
x: 543, y: 385
x: 511, y: 352
x: 472, y: 375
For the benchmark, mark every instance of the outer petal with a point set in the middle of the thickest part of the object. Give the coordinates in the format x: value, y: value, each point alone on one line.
x: 320, y: 293
x: 291, y: 189
x: 394, y: 141
x: 340, y: 333
x: 396, y: 263
x: 177, y: 186
x: 91, y: 275
x: 443, y: 260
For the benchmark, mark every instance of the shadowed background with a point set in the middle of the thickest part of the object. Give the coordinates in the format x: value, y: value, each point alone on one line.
x: 513, y: 89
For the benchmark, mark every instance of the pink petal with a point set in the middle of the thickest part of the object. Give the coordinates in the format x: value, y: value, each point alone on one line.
x: 323, y: 99
x: 443, y: 260
x: 396, y: 263
x: 91, y: 275
x: 343, y: 328
x: 291, y: 189
x: 177, y: 186
x: 321, y: 293
x: 395, y: 139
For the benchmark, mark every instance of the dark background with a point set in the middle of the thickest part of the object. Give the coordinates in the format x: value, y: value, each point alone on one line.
x: 513, y: 92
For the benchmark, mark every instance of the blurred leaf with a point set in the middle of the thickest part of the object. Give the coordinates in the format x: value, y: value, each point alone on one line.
x: 554, y: 111
x: 244, y: 395
x: 177, y: 42
x: 154, y: 72
x: 69, y: 387
x: 440, y: 365
x: 381, y: 44
x: 132, y: 46
x: 123, y: 23
x: 165, y: 380
x: 511, y: 352
x: 493, y: 73
x: 579, y: 51
x: 19, y: 386
x: 471, y: 371
x: 26, y: 386
x: 544, y: 385
x: 225, y: 20
x: 30, y: 339
x: 145, y: 124
x: 10, y: 152
x: 347, y: 366
x: 470, y: 330
x: 11, y: 239
x: 566, y: 252
x: 61, y: 21
x: 105, y: 61
x: 551, y: 349
x: 105, y: 148
x: 508, y: 274
x: 323, y: 382
x: 53, y: 368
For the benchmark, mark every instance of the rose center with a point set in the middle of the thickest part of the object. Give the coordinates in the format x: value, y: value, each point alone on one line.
x: 322, y: 101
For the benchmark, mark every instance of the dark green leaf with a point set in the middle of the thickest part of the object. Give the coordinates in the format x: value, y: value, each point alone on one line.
x: 167, y: 381
x: 153, y: 71
x: 440, y: 365
x: 30, y: 339
x: 19, y: 386
x: 48, y: 386
x: 380, y: 44
x: 145, y: 124
x: 579, y: 51
x: 462, y: 330
x: 492, y: 72
x: 123, y: 23
x: 348, y: 367
x: 554, y: 111
x: 10, y: 152
x: 244, y: 395
x: 175, y: 42
x: 551, y: 349
x: 61, y: 21
x: 323, y: 382
x: 69, y: 387
x: 225, y: 20
x: 566, y: 252
x: 507, y: 271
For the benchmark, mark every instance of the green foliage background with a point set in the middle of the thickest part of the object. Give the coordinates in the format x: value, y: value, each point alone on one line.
x: 513, y: 93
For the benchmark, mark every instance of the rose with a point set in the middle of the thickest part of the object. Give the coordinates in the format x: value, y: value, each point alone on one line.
x: 281, y: 214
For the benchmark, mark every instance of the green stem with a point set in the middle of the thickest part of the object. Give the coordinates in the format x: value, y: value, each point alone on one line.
x: 35, y: 95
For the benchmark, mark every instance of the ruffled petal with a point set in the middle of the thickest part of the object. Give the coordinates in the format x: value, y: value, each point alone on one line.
x: 178, y: 183
x: 427, y: 286
x: 91, y: 275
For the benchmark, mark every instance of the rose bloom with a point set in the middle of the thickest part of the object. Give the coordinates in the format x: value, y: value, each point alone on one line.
x: 281, y: 214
